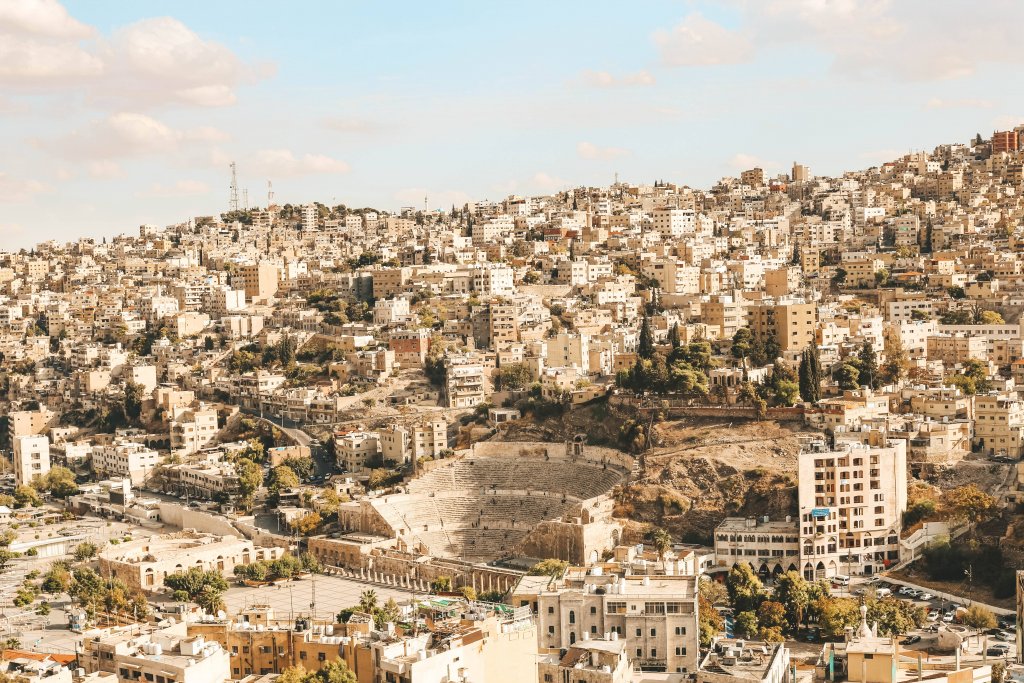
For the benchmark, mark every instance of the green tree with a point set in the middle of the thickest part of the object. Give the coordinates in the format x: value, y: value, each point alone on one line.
x: 847, y: 376
x: 662, y: 542
x: 979, y: 617
x: 673, y: 336
x: 335, y: 671
x: 645, y: 345
x: 894, y: 616
x: 513, y: 377
x: 550, y: 567
x: 710, y: 622
x: 742, y: 343
x: 282, y: 478
x: 990, y: 318
x: 6, y: 556
x: 810, y: 374
x: 57, y: 579
x: 85, y: 551
x: 745, y: 625
x: 133, y: 400
x: 195, y: 581
x: 745, y: 589
x: 836, y: 614
x: 59, y: 482
x: 868, y: 365
x: 368, y: 601
x: 791, y: 590
x: 250, y: 478
x: 894, y: 369
x: 969, y: 503
x: 26, y: 496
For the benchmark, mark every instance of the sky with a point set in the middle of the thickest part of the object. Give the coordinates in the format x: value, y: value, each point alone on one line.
x: 115, y: 114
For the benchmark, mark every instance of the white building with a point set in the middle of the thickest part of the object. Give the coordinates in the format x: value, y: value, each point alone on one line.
x: 31, y: 458
x: 124, y: 460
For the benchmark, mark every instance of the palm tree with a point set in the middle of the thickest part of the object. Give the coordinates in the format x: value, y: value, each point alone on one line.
x: 368, y: 600
x: 662, y: 541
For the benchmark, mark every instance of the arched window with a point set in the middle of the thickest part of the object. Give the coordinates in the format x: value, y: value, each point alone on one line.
x: 572, y: 616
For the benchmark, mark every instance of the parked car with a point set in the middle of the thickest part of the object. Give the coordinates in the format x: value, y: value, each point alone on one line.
x: 933, y: 615
x: 882, y: 592
x: 948, y: 618
x: 905, y: 590
x: 910, y: 640
x: 997, y: 651
x: 925, y: 596
x: 1008, y: 622
x: 1007, y: 636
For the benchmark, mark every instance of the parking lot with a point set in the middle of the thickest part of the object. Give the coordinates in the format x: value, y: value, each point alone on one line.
x: 333, y: 594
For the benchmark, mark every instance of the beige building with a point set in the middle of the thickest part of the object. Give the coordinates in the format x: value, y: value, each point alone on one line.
x: 749, y: 661
x: 399, y: 443
x: 31, y: 458
x: 192, y: 430
x: 125, y: 460
x: 851, y: 517
x: 597, y: 660
x: 354, y: 451
x: 770, y: 547
x: 257, y: 280
x: 790, y: 324
x: 166, y: 655
x: 464, y: 385
x: 954, y: 349
x: 145, y: 563
x: 999, y: 425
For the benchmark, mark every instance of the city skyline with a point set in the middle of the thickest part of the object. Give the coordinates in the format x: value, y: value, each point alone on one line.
x: 119, y: 115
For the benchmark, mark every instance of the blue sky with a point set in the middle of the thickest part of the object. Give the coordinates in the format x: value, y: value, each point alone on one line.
x: 116, y: 114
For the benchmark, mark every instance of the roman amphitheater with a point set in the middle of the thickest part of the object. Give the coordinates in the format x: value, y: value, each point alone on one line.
x: 498, y: 500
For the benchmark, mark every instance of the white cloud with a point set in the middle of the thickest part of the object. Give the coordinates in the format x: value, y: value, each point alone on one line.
x: 156, y: 61
x: 744, y: 162
x: 603, y: 79
x: 127, y: 134
x: 41, y: 17
x: 104, y: 169
x: 590, y: 151
x: 443, y: 199
x: 964, y: 103
x: 17, y: 190
x: 345, y: 124
x: 181, y: 188
x: 283, y: 163
x: 548, y: 183
x: 696, y: 41
x: 1007, y: 122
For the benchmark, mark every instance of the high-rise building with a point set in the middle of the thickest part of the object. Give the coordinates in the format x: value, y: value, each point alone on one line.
x: 31, y: 458
x: 258, y: 280
x: 1005, y: 141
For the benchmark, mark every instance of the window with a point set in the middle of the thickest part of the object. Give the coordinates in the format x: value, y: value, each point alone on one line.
x: 572, y: 616
x: 681, y: 651
x: 680, y: 630
x: 551, y: 630
x: 639, y: 633
x: 593, y: 610
x: 654, y: 632
x: 639, y: 652
x: 302, y: 654
x: 654, y: 652
x: 551, y: 610
x: 321, y: 656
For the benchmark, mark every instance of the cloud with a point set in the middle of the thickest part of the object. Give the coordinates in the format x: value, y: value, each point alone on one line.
x: 588, y: 150
x: 744, y: 162
x: 181, y: 188
x: 153, y: 62
x: 548, y: 183
x: 696, y: 41
x: 603, y: 79
x: 283, y: 163
x: 881, y: 156
x: 344, y: 124
x: 1007, y: 122
x: 435, y: 199
x: 965, y: 103
x: 17, y: 190
x: 127, y: 134
x: 105, y: 169
x: 43, y: 18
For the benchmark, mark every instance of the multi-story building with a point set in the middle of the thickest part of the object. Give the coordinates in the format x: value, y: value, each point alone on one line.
x: 999, y: 425
x: 125, y: 460
x: 410, y: 346
x: 654, y: 614
x: 354, y: 451
x: 31, y: 458
x: 257, y: 280
x: 464, y: 385
x: 166, y: 655
x: 192, y: 430
x: 206, y: 480
x: 403, y: 444
x: 597, y: 660
x: 851, y: 517
x: 790, y: 324
x: 771, y: 547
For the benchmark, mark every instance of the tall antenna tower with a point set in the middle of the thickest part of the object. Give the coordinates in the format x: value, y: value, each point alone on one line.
x: 270, y: 193
x: 245, y: 198
x: 233, y: 199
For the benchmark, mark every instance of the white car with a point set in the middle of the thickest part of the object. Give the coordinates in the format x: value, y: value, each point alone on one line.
x: 925, y: 596
x: 948, y: 618
x: 933, y: 615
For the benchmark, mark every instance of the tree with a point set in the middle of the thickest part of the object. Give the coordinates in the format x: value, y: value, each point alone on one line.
x: 59, y: 482
x: 308, y: 524
x: 250, y: 478
x: 513, y: 377
x: 710, y: 623
x: 210, y: 599
x: 282, y: 478
x: 772, y: 615
x: 978, y: 617
x: 894, y: 369
x: 133, y: 400
x: 745, y: 625
x: 550, y: 567
x: 645, y: 345
x: 195, y: 582
x: 6, y: 556
x: 26, y: 496
x: 57, y: 579
x: 389, y: 613
x: 836, y: 614
x: 662, y: 541
x: 742, y: 343
x: 991, y: 318
x: 208, y: 343
x: 847, y: 376
x: 868, y: 365
x: 85, y: 551
x: 673, y: 336
x: 810, y: 374
x: 335, y: 671
x: 745, y: 589
x: 970, y: 503
x: 368, y: 600
x: 792, y: 591
x: 894, y: 616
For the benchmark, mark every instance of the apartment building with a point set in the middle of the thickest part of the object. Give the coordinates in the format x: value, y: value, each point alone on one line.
x: 203, y: 480
x: 403, y: 444
x: 193, y: 430
x: 725, y: 313
x: 671, y: 223
x: 410, y: 346
x: 956, y: 349
x: 31, y: 458
x: 851, y: 518
x: 999, y: 425
x: 769, y: 546
x: 125, y: 460
x: 790, y: 324
x: 166, y: 655
x: 597, y: 660
x: 257, y: 280
x: 354, y: 451
x: 655, y: 615
x: 464, y: 385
